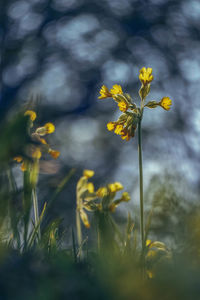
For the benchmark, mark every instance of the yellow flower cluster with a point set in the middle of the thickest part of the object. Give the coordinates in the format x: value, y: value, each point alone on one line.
x: 35, y: 152
x: 145, y: 75
x: 126, y: 125
x: 100, y: 200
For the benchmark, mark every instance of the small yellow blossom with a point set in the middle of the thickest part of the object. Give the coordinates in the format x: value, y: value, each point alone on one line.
x: 145, y: 75
x: 90, y: 187
x: 123, y: 106
x: 115, y: 187
x: 101, y: 192
x: 31, y: 114
x: 118, y: 186
x: 54, y: 153
x: 165, y: 103
x: 116, y: 90
x: 125, y: 197
x: 49, y: 127
x: 111, y: 126
x: 18, y: 159
x: 118, y: 129
x: 104, y: 93
x: 88, y: 173
x: 148, y: 242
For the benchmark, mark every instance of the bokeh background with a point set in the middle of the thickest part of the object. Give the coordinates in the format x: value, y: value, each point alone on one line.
x: 55, y: 56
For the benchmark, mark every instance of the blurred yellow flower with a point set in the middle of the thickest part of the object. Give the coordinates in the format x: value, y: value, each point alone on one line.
x: 145, y: 75
x: 116, y: 89
x: 54, y: 153
x: 104, y: 92
x: 88, y: 173
x: 125, y: 197
x: 101, y: 192
x: 49, y: 127
x: 31, y: 114
x: 118, y: 129
x: 90, y: 187
x: 123, y: 106
x: 165, y: 103
x: 115, y: 187
x: 111, y: 126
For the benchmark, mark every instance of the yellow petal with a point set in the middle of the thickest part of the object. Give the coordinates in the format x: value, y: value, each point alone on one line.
x: 166, y: 103
x: 104, y: 92
x: 88, y: 173
x: 18, y: 159
x: 123, y: 106
x: 111, y: 126
x: 49, y: 127
x: 90, y: 187
x: 54, y: 153
x: 116, y: 89
x: 101, y: 192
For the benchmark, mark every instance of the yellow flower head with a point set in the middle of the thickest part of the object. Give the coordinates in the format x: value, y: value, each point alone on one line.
x: 88, y: 173
x: 111, y: 126
x: 115, y: 187
x: 165, y: 103
x: 116, y: 90
x: 125, y: 135
x: 123, y: 106
x: 145, y: 75
x: 18, y: 159
x: 104, y: 92
x: 118, y: 129
x: 54, y: 153
x: 118, y: 186
x: 101, y: 192
x: 49, y: 128
x: 125, y: 197
x: 90, y: 187
x: 31, y: 114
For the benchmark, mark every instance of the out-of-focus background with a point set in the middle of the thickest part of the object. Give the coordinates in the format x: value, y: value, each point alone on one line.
x: 56, y: 55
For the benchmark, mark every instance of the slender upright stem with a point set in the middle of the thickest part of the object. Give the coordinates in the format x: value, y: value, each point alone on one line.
x: 78, y: 228
x: 141, y: 183
x: 36, y: 211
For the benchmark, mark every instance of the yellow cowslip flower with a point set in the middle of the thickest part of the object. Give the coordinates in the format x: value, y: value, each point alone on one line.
x: 148, y: 242
x: 49, y: 127
x: 54, y: 153
x: 165, y: 103
x: 88, y: 173
x: 116, y: 90
x: 102, y: 192
x: 125, y: 197
x: 115, y: 187
x: 145, y: 75
x: 111, y: 126
x: 104, y: 91
x: 123, y: 106
x: 46, y: 129
x: 125, y: 135
x: 118, y: 129
x: 90, y: 187
x: 31, y: 114
x: 18, y: 159
x: 118, y: 186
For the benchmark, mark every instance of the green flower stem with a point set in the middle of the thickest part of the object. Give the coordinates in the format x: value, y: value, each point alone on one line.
x: 36, y: 211
x: 141, y: 182
x: 78, y: 228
